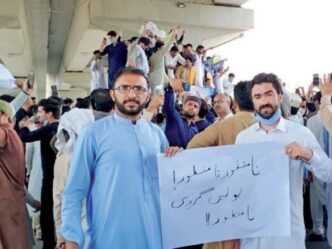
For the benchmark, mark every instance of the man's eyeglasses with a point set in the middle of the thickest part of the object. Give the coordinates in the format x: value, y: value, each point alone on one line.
x: 126, y: 89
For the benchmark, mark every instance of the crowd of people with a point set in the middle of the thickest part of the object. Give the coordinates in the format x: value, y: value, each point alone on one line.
x: 87, y: 167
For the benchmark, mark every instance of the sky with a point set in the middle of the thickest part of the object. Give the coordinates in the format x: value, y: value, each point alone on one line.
x: 291, y: 38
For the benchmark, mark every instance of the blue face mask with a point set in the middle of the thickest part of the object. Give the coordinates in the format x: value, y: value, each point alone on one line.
x: 271, y: 121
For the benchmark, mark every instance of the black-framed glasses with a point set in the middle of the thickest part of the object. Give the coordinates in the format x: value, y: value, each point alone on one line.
x: 126, y: 89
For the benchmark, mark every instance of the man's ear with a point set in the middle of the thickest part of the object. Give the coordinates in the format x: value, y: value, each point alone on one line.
x: 149, y: 96
x: 112, y: 94
x: 281, y: 98
x: 49, y: 114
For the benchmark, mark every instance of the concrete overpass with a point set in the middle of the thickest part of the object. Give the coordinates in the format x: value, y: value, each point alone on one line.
x: 55, y: 38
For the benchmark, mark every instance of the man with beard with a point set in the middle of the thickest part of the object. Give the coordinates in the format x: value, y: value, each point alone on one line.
x: 114, y: 168
x: 300, y: 145
x: 180, y: 128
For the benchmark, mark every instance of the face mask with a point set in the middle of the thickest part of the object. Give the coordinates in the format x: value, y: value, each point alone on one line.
x: 111, y: 40
x: 271, y: 121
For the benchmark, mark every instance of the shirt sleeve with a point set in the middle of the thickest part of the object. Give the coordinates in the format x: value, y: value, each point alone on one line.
x: 77, y: 187
x: 134, y: 54
x: 93, y: 66
x: 209, y: 137
x: 30, y: 136
x: 180, y: 59
x: 326, y: 113
x: 19, y: 100
x: 105, y: 51
x: 168, y: 60
x: 320, y: 165
x: 169, y: 104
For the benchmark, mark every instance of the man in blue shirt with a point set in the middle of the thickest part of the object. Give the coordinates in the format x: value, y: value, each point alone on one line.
x: 180, y: 127
x: 114, y: 168
x: 117, y: 55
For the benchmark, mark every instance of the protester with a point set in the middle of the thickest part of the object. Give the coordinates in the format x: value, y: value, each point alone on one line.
x: 111, y: 172
x: 101, y: 103
x: 48, y: 109
x: 172, y: 58
x: 326, y: 117
x: 117, y: 54
x: 13, y: 227
x: 300, y: 145
x: 138, y: 58
x: 180, y: 127
x: 97, y: 72
x: 222, y: 104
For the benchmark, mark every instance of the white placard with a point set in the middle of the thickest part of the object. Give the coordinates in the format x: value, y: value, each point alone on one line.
x: 225, y: 192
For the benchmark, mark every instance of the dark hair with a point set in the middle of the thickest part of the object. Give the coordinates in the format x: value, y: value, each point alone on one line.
x: 203, y: 109
x: 52, y: 105
x: 200, y: 47
x: 189, y: 45
x: 111, y: 33
x: 266, y: 78
x: 242, y: 96
x: 191, y: 58
x: 56, y: 99
x: 101, y: 100
x: 144, y: 40
x: 132, y: 39
x: 7, y: 98
x: 231, y: 75
x: 83, y: 103
x: 96, y: 52
x: 67, y: 101
x: 174, y: 49
x: 130, y: 70
x: 159, y: 44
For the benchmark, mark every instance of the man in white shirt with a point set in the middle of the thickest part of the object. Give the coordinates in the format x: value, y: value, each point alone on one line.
x: 199, y: 69
x: 300, y: 145
x: 97, y: 72
x: 171, y: 59
x: 138, y: 58
x: 227, y: 84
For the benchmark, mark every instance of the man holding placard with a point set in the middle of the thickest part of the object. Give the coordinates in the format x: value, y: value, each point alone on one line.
x: 300, y: 145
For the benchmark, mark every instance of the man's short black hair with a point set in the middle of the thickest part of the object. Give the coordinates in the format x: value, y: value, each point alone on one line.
x: 83, y: 103
x: 130, y: 70
x: 101, y: 100
x: 242, y: 96
x: 231, y: 75
x: 189, y: 45
x: 144, y: 40
x: 174, y: 49
x: 96, y: 52
x: 132, y: 39
x: 67, y: 101
x: 52, y: 105
x: 112, y: 33
x: 266, y: 78
x: 200, y: 47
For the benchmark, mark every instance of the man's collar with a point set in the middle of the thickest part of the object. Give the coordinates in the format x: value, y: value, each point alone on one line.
x: 281, y: 125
